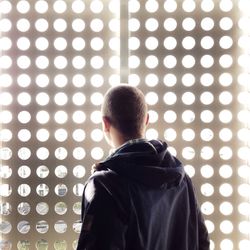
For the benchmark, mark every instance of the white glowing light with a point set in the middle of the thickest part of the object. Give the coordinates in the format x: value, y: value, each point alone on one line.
x: 170, y: 116
x: 42, y: 62
x: 60, y: 43
x: 114, y: 43
x: 79, y: 80
x: 188, y: 80
x: 41, y: 25
x: 207, y: 98
x: 59, y: 6
x: 133, y: 61
x: 151, y: 24
x: 226, y: 5
x: 207, y: 134
x: 23, y: 43
x: 188, y: 5
x: 5, y: 116
x: 60, y: 62
x: 188, y: 42
x: 114, y: 62
x: 24, y: 98
x: 226, y: 79
x: 79, y: 117
x: 188, y: 24
x: 114, y: 5
x: 170, y: 24
x: 97, y: 153
x: 151, y: 80
x: 61, y: 117
x: 170, y: 80
x: 153, y: 116
x: 6, y: 25
x: 207, y: 42
x: 207, y: 24
x: 226, y: 208
x: 188, y: 153
x: 114, y: 25
x: 206, y: 153
x: 226, y: 227
x: 78, y: 62
x: 97, y: 62
x: 96, y: 98
x: 207, y: 116
x: 42, y: 153
x: 5, y: 7
x: 207, y: 61
x: 60, y: 25
x: 24, y: 135
x: 79, y: 153
x: 170, y: 61
x: 151, y: 62
x: 42, y: 117
x: 96, y: 117
x: 96, y: 6
x: 188, y: 61
x: 226, y: 23
x: 42, y: 134
x: 151, y: 134
x: 41, y: 6
x: 24, y: 117
x: 170, y: 98
x: 207, y: 171
x: 188, y: 98
x: 42, y: 80
x: 133, y: 24
x: 207, y: 5
x: 79, y: 135
x: 188, y: 116
x: 170, y: 43
x: 226, y: 61
x: 170, y: 134
x: 225, y: 134
x: 207, y: 208
x: 5, y: 80
x: 5, y: 43
x: 151, y: 98
x: 170, y: 6
x: 188, y: 134
x: 78, y: 6
x: 226, y: 42
x: 78, y: 25
x: 23, y: 6
x: 190, y: 170
x: 5, y: 98
x: 6, y: 62
x: 207, y: 189
x: 151, y: 43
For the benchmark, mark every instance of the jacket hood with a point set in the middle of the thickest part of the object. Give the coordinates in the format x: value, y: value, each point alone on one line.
x: 146, y: 162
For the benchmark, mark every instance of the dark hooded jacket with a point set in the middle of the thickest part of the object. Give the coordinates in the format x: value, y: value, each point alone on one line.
x: 141, y: 199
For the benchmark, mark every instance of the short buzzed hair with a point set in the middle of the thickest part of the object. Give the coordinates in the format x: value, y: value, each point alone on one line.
x: 125, y: 108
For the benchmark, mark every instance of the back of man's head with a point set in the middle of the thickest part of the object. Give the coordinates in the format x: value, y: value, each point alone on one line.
x: 125, y: 108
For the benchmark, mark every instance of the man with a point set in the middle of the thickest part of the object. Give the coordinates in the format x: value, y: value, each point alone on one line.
x: 139, y: 198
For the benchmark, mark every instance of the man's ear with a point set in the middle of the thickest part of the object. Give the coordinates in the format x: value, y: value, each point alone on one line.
x: 106, y: 124
x: 147, y: 119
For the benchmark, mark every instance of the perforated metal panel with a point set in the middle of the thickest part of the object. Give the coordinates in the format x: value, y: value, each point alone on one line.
x: 58, y: 58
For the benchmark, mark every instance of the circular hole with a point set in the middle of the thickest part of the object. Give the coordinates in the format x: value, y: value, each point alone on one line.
x: 23, y: 208
x: 61, y: 208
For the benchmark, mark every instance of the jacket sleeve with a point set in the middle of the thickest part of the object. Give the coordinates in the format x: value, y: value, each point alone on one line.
x: 102, y: 225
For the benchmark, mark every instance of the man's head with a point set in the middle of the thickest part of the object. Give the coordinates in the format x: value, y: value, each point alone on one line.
x: 124, y: 110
